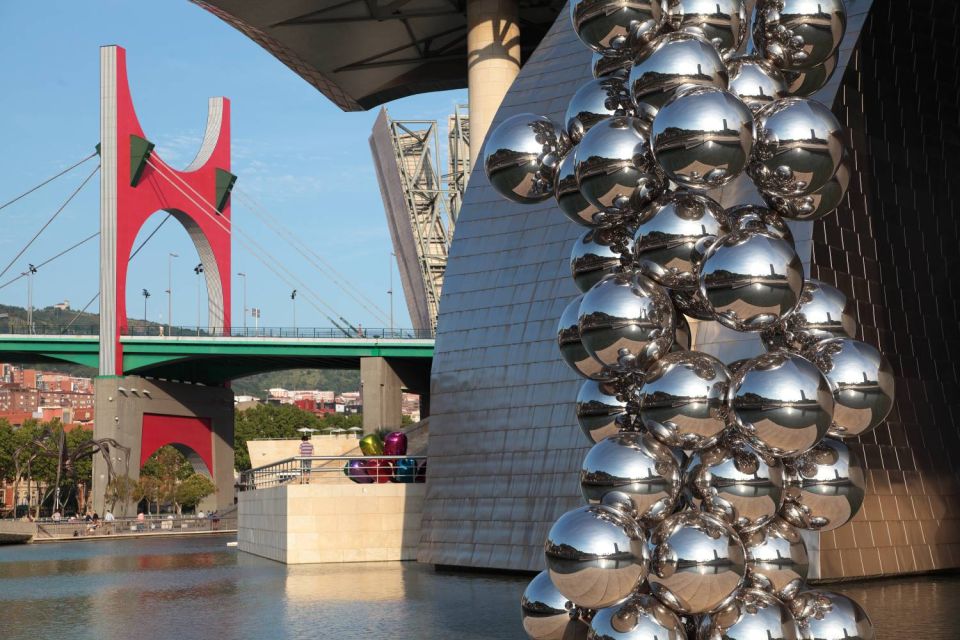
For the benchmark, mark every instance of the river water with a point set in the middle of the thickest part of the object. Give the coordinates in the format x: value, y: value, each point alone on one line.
x: 198, y: 588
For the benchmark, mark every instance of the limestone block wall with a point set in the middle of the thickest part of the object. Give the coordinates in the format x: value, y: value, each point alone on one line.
x: 263, y: 452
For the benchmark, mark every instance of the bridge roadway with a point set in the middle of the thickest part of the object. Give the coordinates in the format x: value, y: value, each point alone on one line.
x: 215, y: 360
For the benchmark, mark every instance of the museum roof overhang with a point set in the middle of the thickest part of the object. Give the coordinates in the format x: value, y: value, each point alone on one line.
x: 362, y: 53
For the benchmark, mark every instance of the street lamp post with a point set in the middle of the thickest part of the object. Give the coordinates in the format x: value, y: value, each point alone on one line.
x: 29, y: 273
x: 293, y: 299
x: 170, y: 257
x: 199, y: 271
x: 146, y: 294
x: 244, y: 276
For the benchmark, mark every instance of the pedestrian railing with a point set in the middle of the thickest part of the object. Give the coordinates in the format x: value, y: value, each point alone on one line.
x: 339, y: 469
x: 65, y: 528
x: 310, y: 333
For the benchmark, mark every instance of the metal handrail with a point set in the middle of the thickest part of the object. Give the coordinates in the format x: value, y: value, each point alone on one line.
x: 302, y: 468
x: 223, y: 332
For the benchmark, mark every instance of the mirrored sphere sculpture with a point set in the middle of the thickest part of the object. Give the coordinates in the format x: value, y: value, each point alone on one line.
x: 819, y: 203
x: 824, y: 312
x: 612, y: 64
x: 803, y: 84
x: 734, y: 482
x: 599, y: 412
x: 634, y: 473
x: 862, y: 382
x: 722, y: 23
x: 826, y: 615
x: 627, y: 321
x: 696, y: 562
x: 824, y: 488
x: 674, y: 233
x: 641, y: 617
x: 781, y: 403
x: 799, y: 34
x: 521, y: 157
x: 549, y: 615
x: 691, y: 304
x: 594, y: 257
x: 682, y: 337
x: 752, y: 615
x: 571, y: 347
x: 604, y: 25
x: 596, y: 556
x: 596, y: 100
x: 615, y: 167
x: 798, y: 148
x: 751, y: 280
x: 751, y: 217
x: 777, y: 559
x: 702, y: 137
x: 669, y: 62
x: 756, y: 81
x: 569, y: 198
x: 682, y: 399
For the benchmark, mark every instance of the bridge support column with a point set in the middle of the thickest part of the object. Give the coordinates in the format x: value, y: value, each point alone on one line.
x: 145, y: 415
x: 381, y: 393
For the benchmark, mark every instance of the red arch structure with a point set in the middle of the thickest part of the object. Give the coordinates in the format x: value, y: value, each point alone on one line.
x: 192, y: 433
x: 136, y: 183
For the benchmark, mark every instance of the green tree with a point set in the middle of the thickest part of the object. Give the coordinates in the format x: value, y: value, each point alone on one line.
x: 194, y: 489
x: 120, y: 490
x: 169, y: 468
x: 267, y: 421
x: 148, y: 490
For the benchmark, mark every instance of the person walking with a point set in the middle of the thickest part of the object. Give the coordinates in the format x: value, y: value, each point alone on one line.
x: 306, y: 450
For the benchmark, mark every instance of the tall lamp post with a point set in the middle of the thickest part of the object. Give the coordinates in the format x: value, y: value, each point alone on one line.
x: 170, y: 257
x: 29, y: 273
x: 199, y: 271
x: 293, y: 299
x: 244, y: 276
x: 146, y: 294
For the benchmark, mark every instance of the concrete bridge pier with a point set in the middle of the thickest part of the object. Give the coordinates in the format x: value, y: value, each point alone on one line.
x: 145, y: 414
x: 382, y: 383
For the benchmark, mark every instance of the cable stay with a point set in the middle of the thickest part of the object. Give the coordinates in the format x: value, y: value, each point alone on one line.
x: 51, y: 259
x: 47, y: 181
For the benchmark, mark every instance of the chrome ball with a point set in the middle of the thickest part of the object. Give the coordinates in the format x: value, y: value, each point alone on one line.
x: 641, y: 617
x: 751, y: 280
x: 799, y: 34
x: 819, y: 203
x: 614, y: 64
x: 824, y: 487
x: 722, y: 23
x: 682, y: 399
x: 615, y: 168
x: 674, y: 233
x: 692, y: 304
x: 781, y: 403
x: 752, y: 614
x: 804, y: 84
x: 634, y: 473
x: 750, y: 217
x: 593, y: 257
x: 734, y: 482
x: 862, y: 382
x: 823, y: 312
x: 702, y: 137
x: 599, y: 412
x: 668, y: 63
x: 596, y: 556
x: 571, y: 347
x: 832, y: 616
x: 777, y: 559
x: 799, y: 146
x: 627, y: 321
x: 697, y: 562
x: 605, y: 25
x: 682, y: 337
x: 567, y: 192
x: 595, y: 101
x: 756, y: 81
x: 549, y: 615
x: 521, y: 157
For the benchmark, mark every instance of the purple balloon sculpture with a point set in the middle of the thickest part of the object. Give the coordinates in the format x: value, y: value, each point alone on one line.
x: 395, y: 444
x: 356, y: 470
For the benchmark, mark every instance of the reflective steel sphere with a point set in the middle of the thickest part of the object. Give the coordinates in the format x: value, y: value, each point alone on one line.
x: 751, y: 615
x: 751, y: 280
x: 598, y: 410
x: 833, y: 616
x: 642, y: 617
x: 756, y: 81
x: 569, y: 199
x: 547, y: 614
x: 691, y: 304
x: 627, y: 321
x: 669, y: 62
x: 696, y: 562
x: 781, y: 403
x: 682, y: 399
x: 571, y: 348
x: 750, y: 217
x: 777, y: 560
x: 674, y: 233
x: 595, y: 101
x: 823, y: 312
x: 798, y: 148
x: 824, y: 487
x: 593, y: 258
x: 596, y: 556
x: 521, y: 157
x: 737, y: 484
x: 819, y: 203
x: 615, y: 167
x: 799, y: 34
x: 604, y: 25
x: 702, y: 137
x: 803, y: 84
x: 614, y: 64
x: 634, y: 473
x: 862, y: 382
x: 682, y: 337
x: 722, y: 23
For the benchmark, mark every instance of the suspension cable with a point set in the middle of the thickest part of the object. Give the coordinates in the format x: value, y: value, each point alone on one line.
x: 49, y: 260
x: 47, y: 181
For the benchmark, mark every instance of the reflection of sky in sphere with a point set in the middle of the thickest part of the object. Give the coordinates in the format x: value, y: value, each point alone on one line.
x: 797, y: 123
x: 783, y: 384
x: 694, y: 545
x: 757, y: 256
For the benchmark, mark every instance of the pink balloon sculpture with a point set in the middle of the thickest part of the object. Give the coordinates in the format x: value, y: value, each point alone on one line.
x: 395, y: 444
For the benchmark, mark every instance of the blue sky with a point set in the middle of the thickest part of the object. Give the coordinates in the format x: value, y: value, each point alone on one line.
x: 304, y: 160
